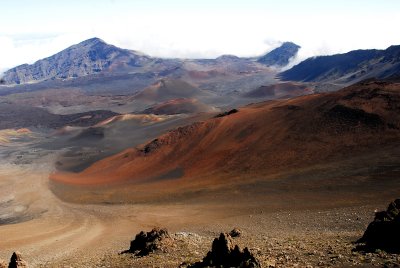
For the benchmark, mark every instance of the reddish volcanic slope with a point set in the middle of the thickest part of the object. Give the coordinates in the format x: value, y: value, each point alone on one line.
x: 180, y: 106
x: 259, y: 140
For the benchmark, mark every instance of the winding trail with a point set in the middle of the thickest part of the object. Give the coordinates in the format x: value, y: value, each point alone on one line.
x: 57, y: 229
x: 51, y: 233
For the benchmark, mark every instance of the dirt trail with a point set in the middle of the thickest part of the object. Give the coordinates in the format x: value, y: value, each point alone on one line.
x: 51, y: 233
x: 56, y: 230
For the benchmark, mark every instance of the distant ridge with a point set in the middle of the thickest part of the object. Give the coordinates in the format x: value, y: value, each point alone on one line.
x: 95, y: 57
x: 349, y: 67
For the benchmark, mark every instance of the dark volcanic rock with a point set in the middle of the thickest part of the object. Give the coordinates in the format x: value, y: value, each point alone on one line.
x: 235, y: 232
x: 224, y: 254
x: 354, y: 116
x: 226, y: 113
x: 17, y: 261
x: 146, y: 243
x: 384, y: 231
x: 280, y: 56
x: 151, y: 146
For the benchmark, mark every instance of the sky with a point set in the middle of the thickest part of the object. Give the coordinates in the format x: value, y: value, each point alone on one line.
x: 34, y: 29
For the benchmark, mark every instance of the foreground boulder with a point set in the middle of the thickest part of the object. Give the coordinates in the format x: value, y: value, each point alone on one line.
x: 384, y: 231
x: 146, y: 243
x: 224, y: 254
x: 236, y: 232
x: 16, y: 261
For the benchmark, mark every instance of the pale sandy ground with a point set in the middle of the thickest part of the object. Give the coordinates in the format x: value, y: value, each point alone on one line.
x: 57, y: 234
x: 60, y: 231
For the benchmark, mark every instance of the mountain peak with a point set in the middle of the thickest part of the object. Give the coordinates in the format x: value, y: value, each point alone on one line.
x: 281, y: 55
x: 88, y: 57
x: 92, y: 41
x: 289, y: 45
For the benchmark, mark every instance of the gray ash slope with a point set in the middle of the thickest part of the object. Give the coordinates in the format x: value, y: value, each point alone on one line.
x: 18, y: 116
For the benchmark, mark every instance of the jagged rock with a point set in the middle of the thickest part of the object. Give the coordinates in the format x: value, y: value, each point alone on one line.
x: 235, y: 232
x: 384, y: 231
x: 224, y: 254
x: 16, y: 261
x: 3, y: 264
x: 145, y: 243
x: 226, y: 113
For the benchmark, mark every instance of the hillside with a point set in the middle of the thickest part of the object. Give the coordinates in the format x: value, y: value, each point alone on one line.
x: 280, y: 90
x: 348, y: 67
x: 259, y: 141
x: 179, y: 106
x: 167, y: 89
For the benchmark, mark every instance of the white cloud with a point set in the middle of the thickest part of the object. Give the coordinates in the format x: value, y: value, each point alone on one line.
x: 202, y: 33
x: 16, y: 50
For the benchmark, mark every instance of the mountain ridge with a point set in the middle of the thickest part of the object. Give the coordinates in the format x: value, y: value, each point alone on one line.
x: 347, y: 68
x: 94, y: 56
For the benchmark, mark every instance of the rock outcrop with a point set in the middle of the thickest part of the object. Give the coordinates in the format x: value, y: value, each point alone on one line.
x: 236, y: 232
x: 233, y: 111
x: 224, y: 254
x: 146, y: 243
x: 16, y: 261
x: 384, y: 231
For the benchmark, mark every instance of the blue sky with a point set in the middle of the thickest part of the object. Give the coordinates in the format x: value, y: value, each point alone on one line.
x: 31, y: 30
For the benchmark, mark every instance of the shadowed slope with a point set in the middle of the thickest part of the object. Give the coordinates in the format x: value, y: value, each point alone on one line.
x: 347, y: 68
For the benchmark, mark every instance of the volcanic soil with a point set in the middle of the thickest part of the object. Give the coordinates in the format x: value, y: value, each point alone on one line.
x: 301, y: 178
